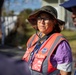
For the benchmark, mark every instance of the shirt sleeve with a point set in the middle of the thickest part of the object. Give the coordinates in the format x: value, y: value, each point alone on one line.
x: 65, y: 67
x: 63, y: 57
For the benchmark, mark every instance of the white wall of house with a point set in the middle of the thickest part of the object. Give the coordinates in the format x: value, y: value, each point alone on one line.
x: 7, y: 25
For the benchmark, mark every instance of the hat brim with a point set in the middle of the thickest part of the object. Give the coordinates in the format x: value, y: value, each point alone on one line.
x: 68, y: 4
x: 60, y: 22
x: 33, y: 18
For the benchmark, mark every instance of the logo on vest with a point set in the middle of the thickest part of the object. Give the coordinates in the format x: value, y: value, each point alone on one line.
x: 44, y: 50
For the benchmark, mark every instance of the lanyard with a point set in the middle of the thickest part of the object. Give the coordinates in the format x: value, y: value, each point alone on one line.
x: 37, y: 47
x: 32, y: 55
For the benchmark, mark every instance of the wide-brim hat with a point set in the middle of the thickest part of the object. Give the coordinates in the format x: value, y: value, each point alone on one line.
x: 68, y: 4
x: 48, y: 9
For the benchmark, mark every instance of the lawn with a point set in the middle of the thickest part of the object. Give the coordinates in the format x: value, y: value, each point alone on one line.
x: 71, y: 37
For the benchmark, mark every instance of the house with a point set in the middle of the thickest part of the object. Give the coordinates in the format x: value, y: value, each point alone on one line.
x: 8, y: 24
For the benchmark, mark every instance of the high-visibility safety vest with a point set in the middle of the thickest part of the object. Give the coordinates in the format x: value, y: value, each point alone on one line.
x: 41, y: 64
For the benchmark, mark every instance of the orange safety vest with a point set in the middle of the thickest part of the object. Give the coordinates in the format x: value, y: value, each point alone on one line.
x: 42, y: 61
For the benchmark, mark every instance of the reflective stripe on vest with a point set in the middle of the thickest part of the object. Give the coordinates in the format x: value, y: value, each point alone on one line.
x: 42, y: 62
x: 54, y: 45
x: 31, y: 40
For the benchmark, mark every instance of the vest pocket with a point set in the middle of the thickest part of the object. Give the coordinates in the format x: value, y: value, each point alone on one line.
x: 37, y: 63
x: 26, y: 55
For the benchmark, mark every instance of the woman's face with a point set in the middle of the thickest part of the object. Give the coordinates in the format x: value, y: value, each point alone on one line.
x: 45, y: 23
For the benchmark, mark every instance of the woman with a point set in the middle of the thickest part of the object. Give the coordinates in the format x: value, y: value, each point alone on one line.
x: 48, y: 52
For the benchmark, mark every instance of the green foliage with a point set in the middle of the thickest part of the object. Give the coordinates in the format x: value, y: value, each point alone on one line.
x: 17, y: 35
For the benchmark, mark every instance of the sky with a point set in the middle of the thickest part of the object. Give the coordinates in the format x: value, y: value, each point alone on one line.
x: 19, y: 6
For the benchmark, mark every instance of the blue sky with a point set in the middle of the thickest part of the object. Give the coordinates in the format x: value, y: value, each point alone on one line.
x: 18, y: 5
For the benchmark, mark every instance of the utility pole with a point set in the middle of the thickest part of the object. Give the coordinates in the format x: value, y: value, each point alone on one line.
x: 3, y: 26
x: 1, y: 5
x: 59, y: 9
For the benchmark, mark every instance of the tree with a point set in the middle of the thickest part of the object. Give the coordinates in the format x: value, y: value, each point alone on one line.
x: 16, y: 35
x: 19, y: 32
x: 1, y: 4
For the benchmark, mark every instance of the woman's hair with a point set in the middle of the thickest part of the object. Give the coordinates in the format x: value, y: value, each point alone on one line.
x: 57, y: 28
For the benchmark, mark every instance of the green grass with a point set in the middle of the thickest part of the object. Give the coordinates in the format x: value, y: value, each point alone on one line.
x: 71, y: 37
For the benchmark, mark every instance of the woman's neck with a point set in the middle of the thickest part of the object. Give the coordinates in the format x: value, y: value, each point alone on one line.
x: 43, y: 34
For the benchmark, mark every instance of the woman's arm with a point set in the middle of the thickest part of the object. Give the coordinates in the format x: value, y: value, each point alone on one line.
x: 64, y: 58
x: 65, y: 73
